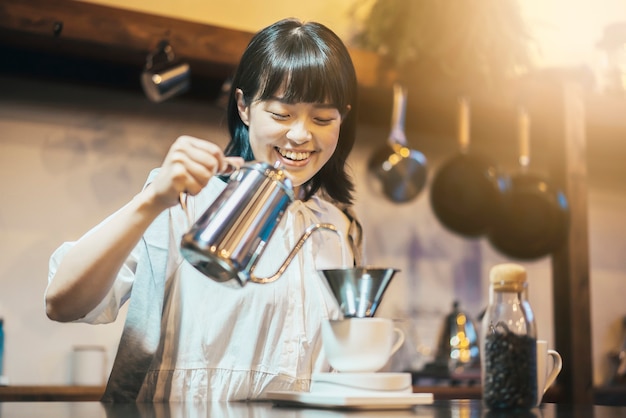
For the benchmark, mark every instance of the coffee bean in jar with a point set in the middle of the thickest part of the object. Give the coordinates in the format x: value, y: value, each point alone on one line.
x: 510, y: 371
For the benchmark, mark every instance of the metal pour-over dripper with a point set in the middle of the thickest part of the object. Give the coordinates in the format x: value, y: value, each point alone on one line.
x: 359, y: 290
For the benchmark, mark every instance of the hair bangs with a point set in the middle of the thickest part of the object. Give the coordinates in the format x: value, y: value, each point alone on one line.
x: 303, y: 75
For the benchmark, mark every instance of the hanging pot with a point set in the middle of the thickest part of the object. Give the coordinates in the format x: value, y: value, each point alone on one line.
x: 534, y: 217
x: 465, y: 192
x: 401, y: 171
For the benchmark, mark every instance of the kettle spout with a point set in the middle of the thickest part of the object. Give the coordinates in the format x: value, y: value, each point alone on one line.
x: 307, y: 233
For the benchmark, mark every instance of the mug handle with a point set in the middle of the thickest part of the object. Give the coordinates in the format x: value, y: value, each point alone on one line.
x: 399, y: 341
x: 556, y: 369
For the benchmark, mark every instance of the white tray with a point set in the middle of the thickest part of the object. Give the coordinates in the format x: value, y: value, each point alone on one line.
x: 351, y: 401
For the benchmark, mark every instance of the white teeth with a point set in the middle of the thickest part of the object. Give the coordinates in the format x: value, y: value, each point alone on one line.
x: 292, y: 155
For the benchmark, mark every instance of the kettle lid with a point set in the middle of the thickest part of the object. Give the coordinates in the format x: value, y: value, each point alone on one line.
x: 274, y: 172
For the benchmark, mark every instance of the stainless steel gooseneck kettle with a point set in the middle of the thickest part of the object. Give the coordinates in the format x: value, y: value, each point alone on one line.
x: 226, y: 242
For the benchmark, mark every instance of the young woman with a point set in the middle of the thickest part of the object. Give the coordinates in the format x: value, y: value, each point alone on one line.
x: 187, y: 337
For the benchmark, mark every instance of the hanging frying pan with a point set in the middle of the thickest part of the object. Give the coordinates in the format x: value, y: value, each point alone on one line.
x: 401, y: 171
x: 465, y: 192
x: 534, y: 218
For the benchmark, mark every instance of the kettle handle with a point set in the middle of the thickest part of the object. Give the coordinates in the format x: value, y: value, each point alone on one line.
x: 182, y: 196
x: 307, y: 233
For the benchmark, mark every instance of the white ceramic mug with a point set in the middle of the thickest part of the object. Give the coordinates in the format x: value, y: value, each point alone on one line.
x: 547, y: 370
x: 89, y: 365
x: 359, y: 345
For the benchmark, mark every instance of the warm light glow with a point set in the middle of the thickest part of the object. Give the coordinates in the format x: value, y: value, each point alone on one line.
x: 567, y: 30
x: 393, y: 159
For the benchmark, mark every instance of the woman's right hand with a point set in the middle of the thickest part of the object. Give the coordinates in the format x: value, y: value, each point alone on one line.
x: 88, y: 270
x: 188, y: 166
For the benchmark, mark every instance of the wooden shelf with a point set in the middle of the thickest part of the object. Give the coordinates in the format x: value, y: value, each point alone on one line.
x: 89, y: 30
x: 553, y: 395
x: 610, y: 395
x: 81, y: 29
x: 50, y: 393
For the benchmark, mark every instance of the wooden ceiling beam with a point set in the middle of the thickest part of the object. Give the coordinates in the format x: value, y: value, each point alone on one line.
x: 77, y: 28
x: 117, y: 35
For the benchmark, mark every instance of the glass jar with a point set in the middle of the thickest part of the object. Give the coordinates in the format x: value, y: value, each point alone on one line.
x: 509, y: 342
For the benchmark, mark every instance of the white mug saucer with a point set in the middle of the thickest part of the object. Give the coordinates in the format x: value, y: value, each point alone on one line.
x: 361, y: 383
x: 325, y: 400
x: 355, y: 391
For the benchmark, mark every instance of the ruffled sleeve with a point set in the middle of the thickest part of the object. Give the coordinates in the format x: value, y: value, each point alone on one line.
x: 108, y: 308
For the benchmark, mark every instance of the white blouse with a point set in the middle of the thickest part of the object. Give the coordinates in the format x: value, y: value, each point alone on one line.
x: 224, y: 343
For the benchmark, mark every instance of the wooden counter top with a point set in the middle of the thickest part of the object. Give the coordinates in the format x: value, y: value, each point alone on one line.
x: 94, y: 393
x: 60, y: 393
x: 444, y: 408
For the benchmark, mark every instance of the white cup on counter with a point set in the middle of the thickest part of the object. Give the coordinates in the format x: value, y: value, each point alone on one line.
x: 89, y: 364
x: 549, y: 365
x: 360, y: 345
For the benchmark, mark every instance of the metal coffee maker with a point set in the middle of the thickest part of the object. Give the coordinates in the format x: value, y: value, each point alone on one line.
x: 226, y: 242
x: 359, y: 290
x: 458, y: 342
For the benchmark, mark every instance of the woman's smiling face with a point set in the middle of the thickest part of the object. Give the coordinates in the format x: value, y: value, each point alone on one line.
x: 301, y: 136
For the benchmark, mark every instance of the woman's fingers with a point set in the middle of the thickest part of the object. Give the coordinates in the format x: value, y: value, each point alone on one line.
x: 189, y: 165
x: 232, y: 164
